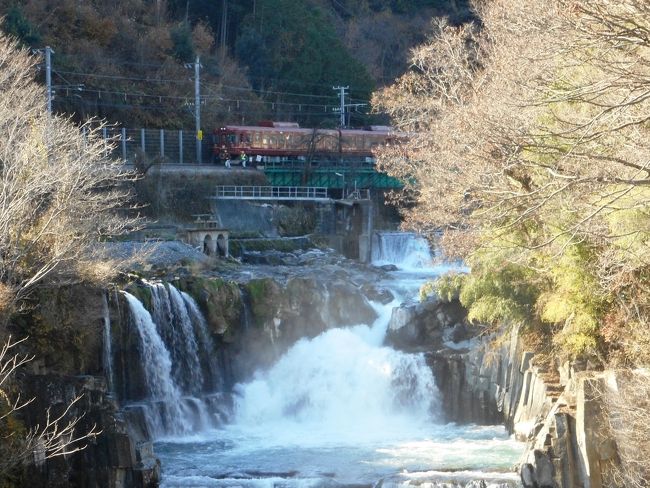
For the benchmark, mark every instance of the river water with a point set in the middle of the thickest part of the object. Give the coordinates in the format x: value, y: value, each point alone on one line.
x: 342, y: 409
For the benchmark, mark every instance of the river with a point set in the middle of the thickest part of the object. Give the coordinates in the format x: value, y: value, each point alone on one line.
x: 342, y: 409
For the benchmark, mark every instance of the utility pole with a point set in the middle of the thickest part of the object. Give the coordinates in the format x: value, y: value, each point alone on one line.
x: 48, y: 77
x: 224, y: 26
x: 197, y: 108
x: 197, y: 105
x: 341, y: 90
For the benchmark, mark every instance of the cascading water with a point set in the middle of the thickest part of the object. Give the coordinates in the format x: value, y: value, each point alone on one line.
x: 157, y: 365
x: 107, y: 353
x: 340, y: 385
x: 342, y: 409
x: 174, y: 325
x: 207, y: 344
x: 405, y: 250
x: 173, y: 341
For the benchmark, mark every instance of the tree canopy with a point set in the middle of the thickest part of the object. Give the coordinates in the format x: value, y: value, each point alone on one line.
x: 529, y: 148
x: 60, y: 192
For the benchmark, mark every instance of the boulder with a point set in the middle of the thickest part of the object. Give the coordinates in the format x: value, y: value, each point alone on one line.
x: 426, y: 325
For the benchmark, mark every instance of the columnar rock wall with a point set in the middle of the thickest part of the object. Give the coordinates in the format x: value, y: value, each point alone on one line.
x: 560, y: 414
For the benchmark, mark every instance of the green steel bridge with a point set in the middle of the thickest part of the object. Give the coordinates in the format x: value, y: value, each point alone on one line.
x: 343, y: 174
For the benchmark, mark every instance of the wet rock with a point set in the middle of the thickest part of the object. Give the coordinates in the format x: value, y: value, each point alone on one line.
x: 424, y: 325
x: 461, y: 332
x: 388, y: 267
x: 377, y: 294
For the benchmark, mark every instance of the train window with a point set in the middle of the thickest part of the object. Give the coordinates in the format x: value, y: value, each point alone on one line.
x: 346, y: 143
x: 256, y: 139
x: 330, y: 143
x: 265, y: 140
x: 284, y: 140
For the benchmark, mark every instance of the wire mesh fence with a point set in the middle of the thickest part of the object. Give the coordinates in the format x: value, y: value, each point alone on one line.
x: 157, y: 145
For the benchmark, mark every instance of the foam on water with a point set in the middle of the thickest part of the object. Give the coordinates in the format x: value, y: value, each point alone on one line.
x: 342, y: 408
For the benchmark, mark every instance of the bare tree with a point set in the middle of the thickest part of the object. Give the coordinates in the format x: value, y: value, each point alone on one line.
x: 61, y: 193
x: 540, y: 109
x: 56, y: 436
x: 625, y: 410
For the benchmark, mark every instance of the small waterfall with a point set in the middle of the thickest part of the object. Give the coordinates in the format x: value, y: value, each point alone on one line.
x: 157, y: 366
x: 107, y: 353
x: 246, y: 320
x: 208, y: 347
x: 405, y: 250
x: 178, y: 360
x: 175, y: 327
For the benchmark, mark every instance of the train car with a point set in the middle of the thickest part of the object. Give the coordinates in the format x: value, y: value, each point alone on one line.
x: 286, y: 141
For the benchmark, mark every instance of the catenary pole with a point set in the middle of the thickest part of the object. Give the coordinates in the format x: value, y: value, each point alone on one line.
x: 48, y: 77
x: 197, y: 108
x: 341, y: 90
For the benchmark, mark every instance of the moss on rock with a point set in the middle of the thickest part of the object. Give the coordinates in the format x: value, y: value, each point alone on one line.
x: 265, y: 295
x: 219, y: 300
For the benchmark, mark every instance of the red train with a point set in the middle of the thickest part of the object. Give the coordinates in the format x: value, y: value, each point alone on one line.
x: 286, y: 141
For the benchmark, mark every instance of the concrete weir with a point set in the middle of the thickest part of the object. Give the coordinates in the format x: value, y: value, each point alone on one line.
x: 205, y: 234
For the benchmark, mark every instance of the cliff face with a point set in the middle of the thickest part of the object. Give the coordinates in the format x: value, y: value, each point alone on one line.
x: 66, y: 329
x: 562, y: 415
x: 255, y: 322
x: 249, y: 323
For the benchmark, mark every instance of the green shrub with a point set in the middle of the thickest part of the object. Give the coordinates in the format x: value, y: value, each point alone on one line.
x: 446, y: 287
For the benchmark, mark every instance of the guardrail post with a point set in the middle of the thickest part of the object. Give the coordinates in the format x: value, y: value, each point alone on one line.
x: 162, y: 143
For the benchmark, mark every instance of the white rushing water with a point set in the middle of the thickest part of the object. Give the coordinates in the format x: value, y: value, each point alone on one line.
x: 175, y: 354
x: 107, y: 352
x: 157, y: 366
x: 407, y: 251
x: 343, y: 409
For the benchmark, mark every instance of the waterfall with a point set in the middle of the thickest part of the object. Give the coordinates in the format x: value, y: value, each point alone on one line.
x: 175, y: 327
x: 341, y: 384
x: 157, y: 365
x: 246, y: 320
x: 208, y: 347
x: 406, y: 250
x: 342, y: 409
x: 107, y: 353
x: 178, y: 360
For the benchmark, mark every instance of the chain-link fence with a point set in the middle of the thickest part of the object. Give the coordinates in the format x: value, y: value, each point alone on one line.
x: 158, y: 145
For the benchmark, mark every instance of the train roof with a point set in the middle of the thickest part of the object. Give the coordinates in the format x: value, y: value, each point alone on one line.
x: 384, y: 130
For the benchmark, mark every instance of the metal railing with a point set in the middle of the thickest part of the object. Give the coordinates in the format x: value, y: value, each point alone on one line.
x: 160, y: 145
x: 271, y: 192
x: 179, y: 147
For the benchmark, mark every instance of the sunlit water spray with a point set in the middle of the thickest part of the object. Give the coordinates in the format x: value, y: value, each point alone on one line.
x: 342, y: 409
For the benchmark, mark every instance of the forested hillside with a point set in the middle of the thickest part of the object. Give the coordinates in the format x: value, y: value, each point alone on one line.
x: 532, y: 152
x: 260, y: 58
